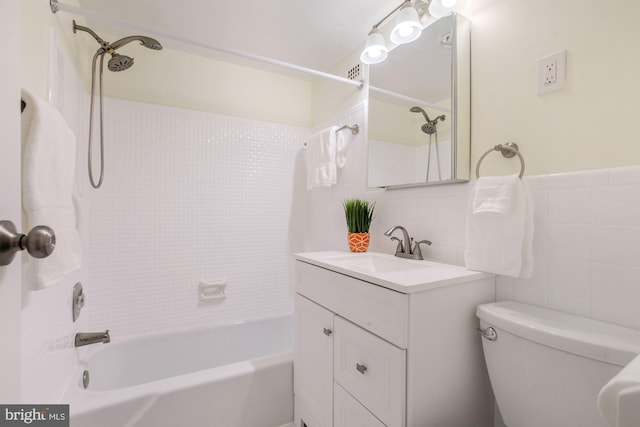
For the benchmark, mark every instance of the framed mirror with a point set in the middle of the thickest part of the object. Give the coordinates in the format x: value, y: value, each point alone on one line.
x: 419, y: 109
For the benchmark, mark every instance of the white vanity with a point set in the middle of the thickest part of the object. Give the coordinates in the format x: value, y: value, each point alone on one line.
x: 384, y: 341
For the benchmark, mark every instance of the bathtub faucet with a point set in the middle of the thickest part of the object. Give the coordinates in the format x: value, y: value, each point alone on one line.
x: 85, y: 338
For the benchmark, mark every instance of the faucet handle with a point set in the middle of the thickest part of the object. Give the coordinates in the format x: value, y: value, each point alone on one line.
x: 416, y: 248
x: 400, y: 247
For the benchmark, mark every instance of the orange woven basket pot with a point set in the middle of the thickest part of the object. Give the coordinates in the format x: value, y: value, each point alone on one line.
x: 358, y: 242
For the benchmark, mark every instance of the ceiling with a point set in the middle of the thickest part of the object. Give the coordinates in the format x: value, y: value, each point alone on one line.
x: 310, y: 33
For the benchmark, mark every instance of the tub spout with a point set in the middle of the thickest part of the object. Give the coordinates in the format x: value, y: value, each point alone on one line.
x: 85, y: 338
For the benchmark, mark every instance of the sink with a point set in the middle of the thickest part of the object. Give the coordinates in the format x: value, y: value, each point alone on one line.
x: 392, y: 272
x: 375, y: 263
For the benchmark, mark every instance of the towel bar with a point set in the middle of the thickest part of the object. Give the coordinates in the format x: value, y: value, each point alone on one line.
x: 355, y: 129
x: 508, y: 150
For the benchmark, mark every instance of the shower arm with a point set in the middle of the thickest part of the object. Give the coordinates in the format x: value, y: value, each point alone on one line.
x: 105, y: 45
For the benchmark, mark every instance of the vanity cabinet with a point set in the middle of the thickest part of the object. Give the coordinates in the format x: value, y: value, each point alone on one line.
x: 370, y: 356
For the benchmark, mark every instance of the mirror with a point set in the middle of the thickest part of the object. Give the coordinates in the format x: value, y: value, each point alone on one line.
x: 419, y: 109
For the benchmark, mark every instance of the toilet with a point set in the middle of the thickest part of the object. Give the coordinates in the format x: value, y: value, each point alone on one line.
x: 547, y: 367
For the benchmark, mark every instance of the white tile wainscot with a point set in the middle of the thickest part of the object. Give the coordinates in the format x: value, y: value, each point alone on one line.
x: 400, y: 353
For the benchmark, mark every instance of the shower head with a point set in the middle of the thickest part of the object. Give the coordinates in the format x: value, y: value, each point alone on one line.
x: 430, y: 127
x: 119, y: 62
x: 420, y: 110
x: 147, y: 42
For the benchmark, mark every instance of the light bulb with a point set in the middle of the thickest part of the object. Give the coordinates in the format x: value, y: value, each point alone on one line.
x: 407, y: 27
x: 375, y: 50
x: 405, y: 31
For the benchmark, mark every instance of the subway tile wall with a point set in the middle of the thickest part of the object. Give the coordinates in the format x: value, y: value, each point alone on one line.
x: 189, y: 197
x: 587, y: 231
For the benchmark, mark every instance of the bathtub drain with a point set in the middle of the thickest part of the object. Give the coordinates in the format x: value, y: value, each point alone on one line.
x: 85, y: 379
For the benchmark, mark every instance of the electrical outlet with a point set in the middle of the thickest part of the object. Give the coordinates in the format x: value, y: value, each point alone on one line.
x: 551, y: 72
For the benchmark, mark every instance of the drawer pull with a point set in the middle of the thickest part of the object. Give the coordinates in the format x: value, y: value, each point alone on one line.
x: 361, y: 368
x: 327, y: 331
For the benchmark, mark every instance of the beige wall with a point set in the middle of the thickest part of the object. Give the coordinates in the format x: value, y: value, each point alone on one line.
x: 588, y: 125
x: 592, y: 123
x: 171, y: 77
x: 37, y: 23
x: 168, y: 77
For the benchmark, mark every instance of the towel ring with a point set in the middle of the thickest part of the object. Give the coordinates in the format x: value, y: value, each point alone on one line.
x: 508, y: 150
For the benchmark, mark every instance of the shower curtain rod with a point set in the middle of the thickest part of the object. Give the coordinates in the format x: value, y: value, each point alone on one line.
x: 57, y: 6
x: 410, y: 99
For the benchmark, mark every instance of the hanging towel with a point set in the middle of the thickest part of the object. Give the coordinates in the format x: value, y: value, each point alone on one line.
x: 619, y: 399
x: 322, y: 158
x: 500, y: 227
x: 48, y: 170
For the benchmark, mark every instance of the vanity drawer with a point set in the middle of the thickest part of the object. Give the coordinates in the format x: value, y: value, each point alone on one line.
x: 379, y: 310
x: 372, y: 370
x: 348, y: 412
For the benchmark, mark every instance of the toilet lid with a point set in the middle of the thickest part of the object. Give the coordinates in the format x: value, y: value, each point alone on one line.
x: 574, y: 334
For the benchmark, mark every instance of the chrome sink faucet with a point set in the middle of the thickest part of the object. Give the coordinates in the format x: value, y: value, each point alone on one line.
x: 404, y: 248
x: 86, y: 338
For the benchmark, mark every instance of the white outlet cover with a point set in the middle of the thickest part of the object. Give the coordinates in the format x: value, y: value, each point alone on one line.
x: 552, y: 72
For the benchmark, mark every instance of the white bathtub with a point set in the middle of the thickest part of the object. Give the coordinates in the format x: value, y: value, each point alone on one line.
x: 233, y: 376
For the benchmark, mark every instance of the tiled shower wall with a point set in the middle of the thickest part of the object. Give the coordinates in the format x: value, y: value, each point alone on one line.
x: 189, y: 197
x: 587, y: 231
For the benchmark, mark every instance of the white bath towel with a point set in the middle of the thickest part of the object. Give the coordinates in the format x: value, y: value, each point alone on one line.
x: 48, y: 170
x: 324, y: 155
x: 500, y: 227
x: 619, y: 399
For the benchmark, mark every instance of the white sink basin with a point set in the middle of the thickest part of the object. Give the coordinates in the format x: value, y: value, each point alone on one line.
x: 376, y: 263
x: 400, y: 274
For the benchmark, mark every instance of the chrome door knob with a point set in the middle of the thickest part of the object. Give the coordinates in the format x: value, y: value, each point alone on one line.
x: 40, y: 242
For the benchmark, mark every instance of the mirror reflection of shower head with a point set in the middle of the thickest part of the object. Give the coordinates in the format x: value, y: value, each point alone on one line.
x: 430, y: 126
x: 420, y: 110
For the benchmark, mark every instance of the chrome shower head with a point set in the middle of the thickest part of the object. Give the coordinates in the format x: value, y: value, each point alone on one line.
x: 119, y: 62
x: 420, y: 110
x: 147, y: 42
x: 430, y: 127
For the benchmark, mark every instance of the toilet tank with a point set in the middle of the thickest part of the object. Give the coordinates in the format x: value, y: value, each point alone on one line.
x: 547, y: 367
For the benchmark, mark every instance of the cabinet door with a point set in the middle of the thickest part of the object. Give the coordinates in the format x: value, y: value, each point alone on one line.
x: 313, y: 362
x: 348, y: 412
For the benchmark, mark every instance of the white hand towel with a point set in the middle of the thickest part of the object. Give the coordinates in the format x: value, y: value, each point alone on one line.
x: 341, y: 149
x: 48, y: 170
x: 321, y: 159
x: 494, y: 194
x: 500, y: 227
x: 620, y: 398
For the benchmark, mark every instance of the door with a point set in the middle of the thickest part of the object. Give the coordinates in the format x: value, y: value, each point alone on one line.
x: 10, y: 199
x: 313, y: 364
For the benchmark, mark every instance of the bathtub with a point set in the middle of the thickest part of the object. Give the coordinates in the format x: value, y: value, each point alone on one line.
x: 240, y: 375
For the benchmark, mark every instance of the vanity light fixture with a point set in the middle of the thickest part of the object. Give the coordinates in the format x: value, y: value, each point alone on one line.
x: 407, y: 28
x: 440, y: 8
x: 375, y: 49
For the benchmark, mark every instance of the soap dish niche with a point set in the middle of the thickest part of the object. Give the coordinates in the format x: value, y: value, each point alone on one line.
x: 212, y: 290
